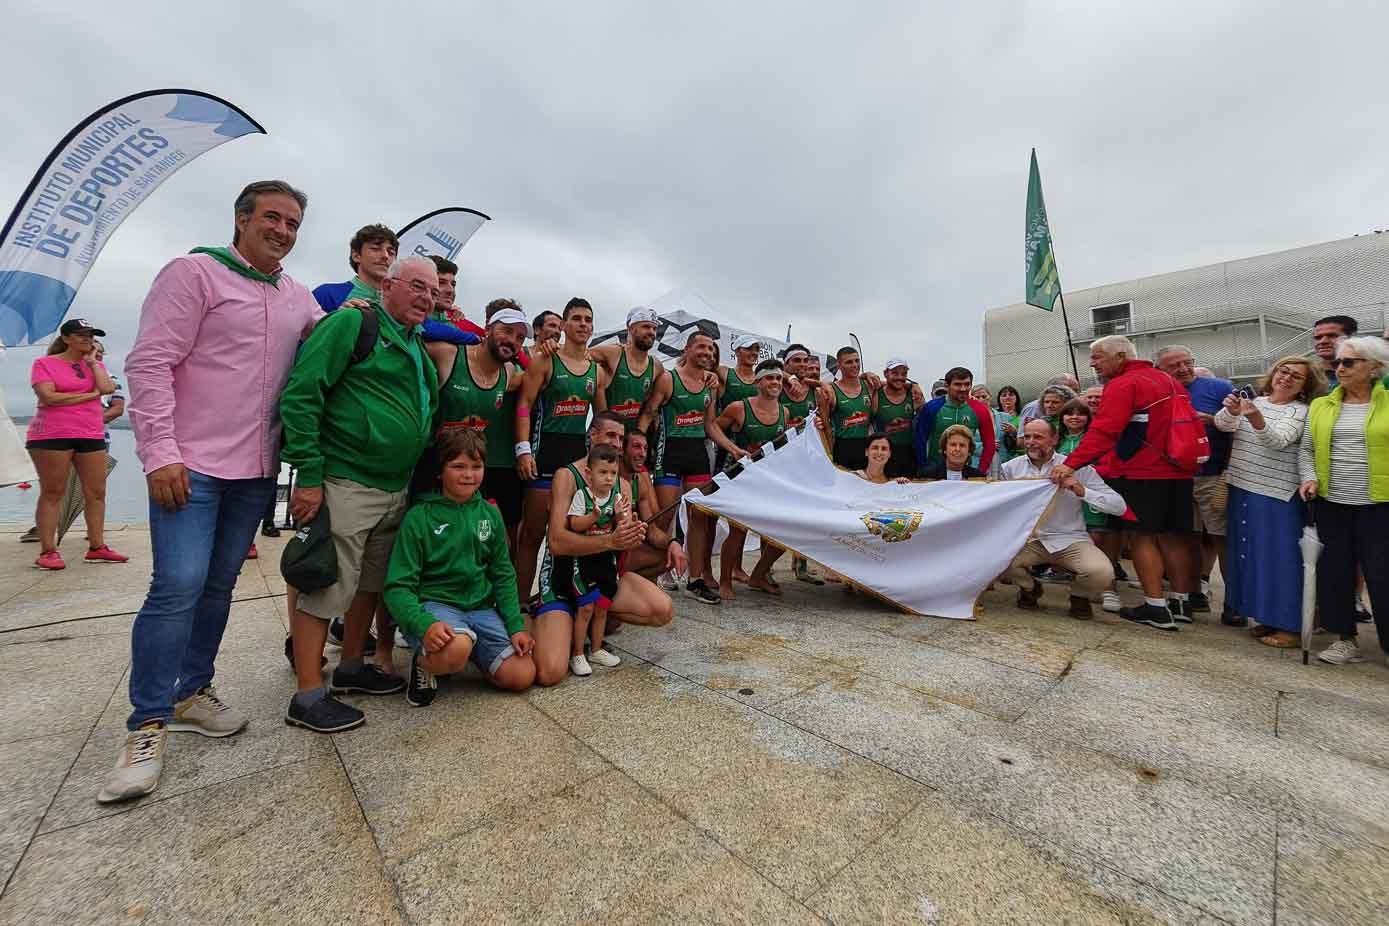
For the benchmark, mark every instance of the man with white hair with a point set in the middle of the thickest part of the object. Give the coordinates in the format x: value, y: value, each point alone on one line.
x: 355, y: 431
x: 1133, y: 422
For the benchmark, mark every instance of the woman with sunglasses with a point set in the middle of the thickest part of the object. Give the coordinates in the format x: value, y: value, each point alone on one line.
x: 1344, y: 467
x: 68, y: 432
x: 1263, y: 579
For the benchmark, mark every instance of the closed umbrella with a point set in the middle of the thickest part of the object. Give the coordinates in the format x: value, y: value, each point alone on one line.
x: 1311, y: 547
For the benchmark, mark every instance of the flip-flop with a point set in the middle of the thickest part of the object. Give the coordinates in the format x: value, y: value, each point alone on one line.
x: 1281, y: 640
x: 1259, y: 631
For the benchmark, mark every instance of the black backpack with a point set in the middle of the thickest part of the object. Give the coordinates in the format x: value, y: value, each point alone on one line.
x: 367, y: 336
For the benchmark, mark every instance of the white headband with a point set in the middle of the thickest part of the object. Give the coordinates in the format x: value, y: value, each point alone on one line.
x: 641, y: 313
x: 793, y: 354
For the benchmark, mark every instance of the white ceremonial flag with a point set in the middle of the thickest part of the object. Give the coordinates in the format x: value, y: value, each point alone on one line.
x: 930, y: 547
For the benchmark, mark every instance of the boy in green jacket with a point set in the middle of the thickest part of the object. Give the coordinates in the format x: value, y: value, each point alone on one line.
x: 450, y: 585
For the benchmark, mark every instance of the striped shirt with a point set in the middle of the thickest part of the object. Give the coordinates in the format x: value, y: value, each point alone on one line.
x: 1349, y: 479
x: 1265, y: 462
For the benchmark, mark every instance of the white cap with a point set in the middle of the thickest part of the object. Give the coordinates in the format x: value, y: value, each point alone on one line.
x: 746, y: 340
x: 510, y: 317
x: 642, y: 313
x: 894, y: 363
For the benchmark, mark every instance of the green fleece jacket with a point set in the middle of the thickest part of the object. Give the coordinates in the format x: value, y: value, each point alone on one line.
x: 454, y: 553
x: 367, y: 422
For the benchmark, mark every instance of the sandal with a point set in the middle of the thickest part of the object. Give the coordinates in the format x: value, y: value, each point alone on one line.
x: 1259, y: 631
x: 1281, y: 639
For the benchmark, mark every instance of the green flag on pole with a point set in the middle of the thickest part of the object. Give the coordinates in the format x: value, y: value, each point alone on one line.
x: 1043, y: 284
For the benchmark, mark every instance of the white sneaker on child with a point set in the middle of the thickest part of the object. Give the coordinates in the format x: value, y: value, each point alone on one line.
x: 579, y: 666
x: 601, y: 657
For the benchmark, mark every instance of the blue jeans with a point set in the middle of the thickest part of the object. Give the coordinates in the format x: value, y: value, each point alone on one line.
x: 198, y: 552
x: 491, y: 641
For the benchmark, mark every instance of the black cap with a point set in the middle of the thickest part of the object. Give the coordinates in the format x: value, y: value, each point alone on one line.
x: 80, y: 326
x: 309, y: 561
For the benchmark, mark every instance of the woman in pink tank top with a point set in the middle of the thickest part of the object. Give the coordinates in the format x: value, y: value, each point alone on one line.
x: 68, y: 431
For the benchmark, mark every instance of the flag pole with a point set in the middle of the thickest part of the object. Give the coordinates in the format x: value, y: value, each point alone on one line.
x: 1066, y: 322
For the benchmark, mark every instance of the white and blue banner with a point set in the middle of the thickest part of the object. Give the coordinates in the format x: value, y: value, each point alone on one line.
x: 441, y: 233
x: 96, y: 176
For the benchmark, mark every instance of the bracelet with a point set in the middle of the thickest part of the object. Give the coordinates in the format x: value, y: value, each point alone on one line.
x: 522, y: 448
x: 523, y: 411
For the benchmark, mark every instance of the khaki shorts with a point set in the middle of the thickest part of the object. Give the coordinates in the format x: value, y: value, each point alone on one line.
x: 1209, y: 494
x: 365, y: 521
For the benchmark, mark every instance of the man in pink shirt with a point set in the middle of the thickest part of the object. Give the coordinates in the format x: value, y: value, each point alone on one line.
x: 217, y: 338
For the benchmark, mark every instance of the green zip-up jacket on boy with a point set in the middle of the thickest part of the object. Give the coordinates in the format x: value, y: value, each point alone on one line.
x: 367, y: 422
x: 454, y: 553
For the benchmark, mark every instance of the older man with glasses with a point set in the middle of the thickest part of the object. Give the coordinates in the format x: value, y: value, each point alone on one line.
x: 355, y: 428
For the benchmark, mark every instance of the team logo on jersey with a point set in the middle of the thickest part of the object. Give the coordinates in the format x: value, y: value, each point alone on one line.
x: 856, y: 419
x: 484, y: 530
x: 628, y: 410
x: 898, y: 424
x: 589, y: 386
x: 501, y: 397
x: 439, y: 531
x: 470, y: 423
x: 892, y: 526
x: 689, y: 419
x: 571, y: 407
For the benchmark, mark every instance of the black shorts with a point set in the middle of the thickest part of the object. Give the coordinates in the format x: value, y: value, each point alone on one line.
x: 1162, y: 506
x: 502, y: 484
x: 902, y: 462
x: 683, y: 458
x: 75, y: 444
x: 597, y: 579
x: 556, y: 452
x: 851, y: 452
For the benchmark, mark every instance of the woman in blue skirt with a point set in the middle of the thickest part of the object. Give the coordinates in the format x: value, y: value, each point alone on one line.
x: 1264, y: 576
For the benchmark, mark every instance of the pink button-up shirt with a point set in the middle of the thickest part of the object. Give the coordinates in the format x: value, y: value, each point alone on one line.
x: 212, y: 355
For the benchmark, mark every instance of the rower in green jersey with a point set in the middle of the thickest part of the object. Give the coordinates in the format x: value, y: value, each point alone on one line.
x: 846, y: 404
x: 757, y: 420
x: 558, y: 391
x: 737, y: 382
x: 631, y: 369
x: 480, y: 386
x: 684, y: 400
x: 894, y: 414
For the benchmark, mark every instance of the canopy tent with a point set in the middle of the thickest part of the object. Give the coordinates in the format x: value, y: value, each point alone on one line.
x: 682, y: 311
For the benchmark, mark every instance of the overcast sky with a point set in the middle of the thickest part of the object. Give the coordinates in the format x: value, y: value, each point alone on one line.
x: 853, y: 167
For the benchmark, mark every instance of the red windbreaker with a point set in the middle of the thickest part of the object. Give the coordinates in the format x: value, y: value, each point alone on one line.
x: 1140, y: 386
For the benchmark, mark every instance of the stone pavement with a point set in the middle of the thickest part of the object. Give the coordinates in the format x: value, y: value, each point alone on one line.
x: 818, y: 758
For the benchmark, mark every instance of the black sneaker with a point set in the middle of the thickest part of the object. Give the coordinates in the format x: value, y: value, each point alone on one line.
x: 369, y: 679
x: 289, y: 653
x: 335, y: 631
x: 697, y: 590
x: 1229, y: 618
x: 1182, y: 610
x: 1149, y: 614
x: 328, y: 715
x: 1030, y: 599
x: 423, y: 686
x: 1200, y: 603
x: 1120, y: 574
x: 269, y: 530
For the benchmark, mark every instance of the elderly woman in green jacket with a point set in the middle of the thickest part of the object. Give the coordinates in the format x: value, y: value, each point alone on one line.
x: 1344, y: 466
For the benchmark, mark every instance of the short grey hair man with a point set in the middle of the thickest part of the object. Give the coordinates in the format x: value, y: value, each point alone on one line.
x: 1114, y: 344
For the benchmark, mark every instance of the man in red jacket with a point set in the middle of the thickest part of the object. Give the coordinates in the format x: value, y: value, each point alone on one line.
x: 1132, y: 422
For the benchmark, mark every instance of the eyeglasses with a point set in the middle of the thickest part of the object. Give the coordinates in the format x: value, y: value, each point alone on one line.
x: 1290, y: 374
x: 1347, y: 362
x: 420, y: 288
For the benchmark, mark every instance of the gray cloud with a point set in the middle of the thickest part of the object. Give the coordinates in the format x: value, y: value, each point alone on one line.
x: 855, y: 168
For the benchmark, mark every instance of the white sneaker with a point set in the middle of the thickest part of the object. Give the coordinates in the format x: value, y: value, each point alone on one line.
x: 601, y: 657
x: 137, y: 768
x: 579, y: 666
x: 1341, y: 652
x: 1110, y: 602
x: 666, y: 582
x: 206, y: 713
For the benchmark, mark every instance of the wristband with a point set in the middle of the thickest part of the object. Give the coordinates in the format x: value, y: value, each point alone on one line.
x: 523, y: 411
x: 522, y: 448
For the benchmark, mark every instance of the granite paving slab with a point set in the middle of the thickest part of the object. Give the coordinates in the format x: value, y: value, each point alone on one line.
x: 601, y: 850
x: 1327, y: 877
x: 288, y: 845
x: 30, y: 772
x: 58, y: 684
x: 1357, y: 728
x: 789, y: 804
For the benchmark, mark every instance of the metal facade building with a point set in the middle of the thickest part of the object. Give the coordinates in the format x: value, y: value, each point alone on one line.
x: 1237, y: 317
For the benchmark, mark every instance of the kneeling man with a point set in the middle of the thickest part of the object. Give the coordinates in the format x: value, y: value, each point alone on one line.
x: 1062, y: 540
x: 450, y: 585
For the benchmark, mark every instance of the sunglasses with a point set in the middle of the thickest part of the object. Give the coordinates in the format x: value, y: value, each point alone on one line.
x: 78, y: 369
x: 1347, y: 362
